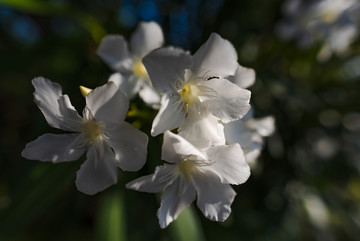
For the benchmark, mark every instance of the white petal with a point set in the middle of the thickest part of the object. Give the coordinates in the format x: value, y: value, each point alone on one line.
x: 264, y: 126
x: 113, y: 50
x: 55, y: 148
x: 229, y: 164
x: 46, y: 96
x: 129, y: 84
x: 216, y: 57
x: 238, y: 132
x: 170, y: 115
x: 147, y: 37
x: 156, y: 182
x: 150, y: 96
x: 174, y: 200
x: 166, y: 65
x: 96, y: 174
x: 249, y: 140
x: 129, y: 145
x: 244, y: 77
x: 202, y: 130
x: 228, y: 101
x: 214, y: 198
x: 71, y: 119
x: 175, y: 147
x: 108, y: 104
x: 253, y: 152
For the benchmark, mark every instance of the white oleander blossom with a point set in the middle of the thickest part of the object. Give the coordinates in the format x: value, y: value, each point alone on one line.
x: 101, y: 132
x: 198, y: 83
x: 193, y: 174
x: 131, y: 75
x: 202, y: 130
x: 249, y: 133
x: 333, y: 22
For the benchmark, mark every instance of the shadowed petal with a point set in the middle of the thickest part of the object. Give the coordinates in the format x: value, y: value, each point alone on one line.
x: 128, y: 84
x: 46, y: 96
x: 228, y: 102
x: 96, y: 174
x: 147, y: 37
x: 108, y: 104
x: 157, y: 182
x: 254, y: 150
x: 175, y: 147
x: 229, y: 164
x: 244, y: 77
x: 165, y: 66
x: 113, y: 50
x: 150, y: 96
x: 213, y: 197
x: 264, y: 126
x: 237, y: 132
x: 174, y: 200
x: 55, y: 148
x: 202, y: 130
x: 129, y: 145
x: 169, y: 115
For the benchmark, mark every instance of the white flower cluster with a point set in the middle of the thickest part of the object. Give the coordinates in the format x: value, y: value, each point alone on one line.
x: 334, y: 23
x: 202, y: 97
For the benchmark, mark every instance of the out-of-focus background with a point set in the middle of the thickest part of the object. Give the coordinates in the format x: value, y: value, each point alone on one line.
x: 306, y: 184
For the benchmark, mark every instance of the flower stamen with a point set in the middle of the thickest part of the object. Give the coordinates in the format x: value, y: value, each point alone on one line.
x: 91, y: 130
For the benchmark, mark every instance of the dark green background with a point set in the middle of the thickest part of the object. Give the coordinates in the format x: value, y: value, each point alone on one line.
x: 310, y: 166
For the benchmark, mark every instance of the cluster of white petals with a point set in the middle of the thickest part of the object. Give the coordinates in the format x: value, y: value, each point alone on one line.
x: 131, y: 75
x: 333, y: 22
x: 196, y: 83
x: 192, y: 173
x: 203, y: 96
x: 101, y: 132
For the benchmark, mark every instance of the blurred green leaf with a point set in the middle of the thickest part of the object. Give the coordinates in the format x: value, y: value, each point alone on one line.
x: 32, y: 6
x: 45, y: 8
x: 187, y: 226
x: 110, y: 221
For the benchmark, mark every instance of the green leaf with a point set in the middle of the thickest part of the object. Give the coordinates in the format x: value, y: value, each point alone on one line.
x: 187, y: 227
x: 87, y: 21
x: 31, y: 6
x: 110, y: 220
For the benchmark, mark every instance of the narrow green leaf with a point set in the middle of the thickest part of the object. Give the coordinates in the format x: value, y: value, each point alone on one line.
x: 110, y: 220
x: 187, y: 227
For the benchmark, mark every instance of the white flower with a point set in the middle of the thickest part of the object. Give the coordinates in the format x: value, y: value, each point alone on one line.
x: 131, y: 76
x: 335, y: 22
x: 202, y: 130
x: 249, y: 133
x: 195, y: 174
x: 109, y: 141
x: 196, y: 83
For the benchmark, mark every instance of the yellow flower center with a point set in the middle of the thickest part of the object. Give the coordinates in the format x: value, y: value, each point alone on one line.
x: 189, y: 93
x: 329, y: 16
x: 186, y: 169
x: 91, y: 130
x: 140, y: 70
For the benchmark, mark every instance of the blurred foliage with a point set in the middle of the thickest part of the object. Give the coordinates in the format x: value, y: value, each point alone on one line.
x: 305, y: 187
